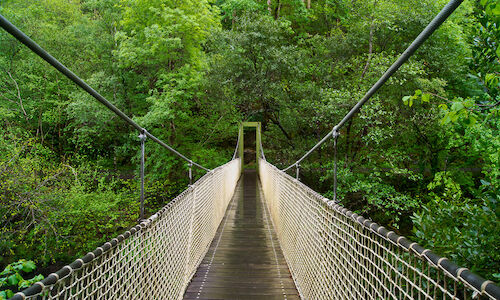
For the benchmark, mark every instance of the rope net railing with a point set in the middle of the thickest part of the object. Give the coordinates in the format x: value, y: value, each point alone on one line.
x: 155, y: 259
x: 333, y: 253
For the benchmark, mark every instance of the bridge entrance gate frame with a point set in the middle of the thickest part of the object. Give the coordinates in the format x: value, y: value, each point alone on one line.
x: 241, y: 146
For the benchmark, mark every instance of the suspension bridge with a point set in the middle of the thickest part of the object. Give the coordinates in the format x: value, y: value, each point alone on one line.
x: 256, y: 234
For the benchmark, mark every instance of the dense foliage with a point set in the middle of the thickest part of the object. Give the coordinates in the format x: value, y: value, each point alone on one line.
x: 12, y: 276
x: 422, y: 157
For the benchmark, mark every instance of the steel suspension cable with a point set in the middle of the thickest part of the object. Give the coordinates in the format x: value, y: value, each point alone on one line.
x: 447, y: 10
x: 28, y: 42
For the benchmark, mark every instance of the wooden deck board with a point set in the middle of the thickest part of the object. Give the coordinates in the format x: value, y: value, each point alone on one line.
x: 244, y: 260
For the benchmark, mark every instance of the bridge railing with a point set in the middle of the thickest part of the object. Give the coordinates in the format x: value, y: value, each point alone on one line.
x: 333, y: 253
x: 155, y: 259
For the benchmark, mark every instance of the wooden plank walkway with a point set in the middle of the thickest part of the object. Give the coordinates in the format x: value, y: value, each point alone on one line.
x: 245, y: 260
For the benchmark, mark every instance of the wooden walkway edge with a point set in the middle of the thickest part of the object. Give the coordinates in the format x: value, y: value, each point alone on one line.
x: 245, y: 260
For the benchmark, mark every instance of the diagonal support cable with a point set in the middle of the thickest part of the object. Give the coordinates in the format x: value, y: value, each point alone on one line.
x: 28, y: 42
x: 421, y: 38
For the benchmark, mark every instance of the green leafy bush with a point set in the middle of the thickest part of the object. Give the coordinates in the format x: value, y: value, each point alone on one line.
x: 53, y: 212
x: 11, y: 277
x: 466, y: 231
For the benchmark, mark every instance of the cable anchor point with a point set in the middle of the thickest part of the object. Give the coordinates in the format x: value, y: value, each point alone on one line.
x: 335, y: 132
x: 143, y: 136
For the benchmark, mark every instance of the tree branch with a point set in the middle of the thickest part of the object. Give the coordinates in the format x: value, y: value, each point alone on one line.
x: 370, y: 43
x: 278, y: 123
x: 18, y: 96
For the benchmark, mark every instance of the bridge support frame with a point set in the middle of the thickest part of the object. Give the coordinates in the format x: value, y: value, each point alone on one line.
x: 241, y: 147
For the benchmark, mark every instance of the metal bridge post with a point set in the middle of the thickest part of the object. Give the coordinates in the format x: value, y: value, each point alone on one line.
x: 190, y: 165
x: 297, y: 172
x: 241, y: 148
x: 335, y: 135
x: 241, y: 137
x: 142, y: 137
x: 258, y: 142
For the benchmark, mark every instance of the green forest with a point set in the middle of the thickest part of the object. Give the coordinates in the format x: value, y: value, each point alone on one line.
x: 422, y: 157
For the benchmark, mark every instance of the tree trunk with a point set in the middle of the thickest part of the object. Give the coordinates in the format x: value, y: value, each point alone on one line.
x: 20, y: 99
x: 277, y: 123
x: 351, y: 146
x: 277, y: 10
x: 171, y: 137
x: 370, y: 41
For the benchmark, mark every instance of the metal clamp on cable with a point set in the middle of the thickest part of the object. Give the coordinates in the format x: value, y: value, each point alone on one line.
x: 335, y: 132
x: 143, y: 136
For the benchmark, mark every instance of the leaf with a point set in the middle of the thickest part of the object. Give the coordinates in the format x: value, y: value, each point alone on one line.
x: 29, y: 266
x: 496, y: 10
x: 405, y: 99
x: 498, y: 51
x: 446, y: 119
x: 426, y: 98
x: 418, y: 92
x: 457, y: 106
x: 468, y: 104
x: 489, y: 77
x: 18, y: 266
x: 484, y: 182
x: 12, y: 279
x: 411, y: 102
x: 38, y: 277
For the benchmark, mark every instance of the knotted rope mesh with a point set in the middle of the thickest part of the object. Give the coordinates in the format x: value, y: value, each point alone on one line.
x: 333, y: 253
x: 154, y: 260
